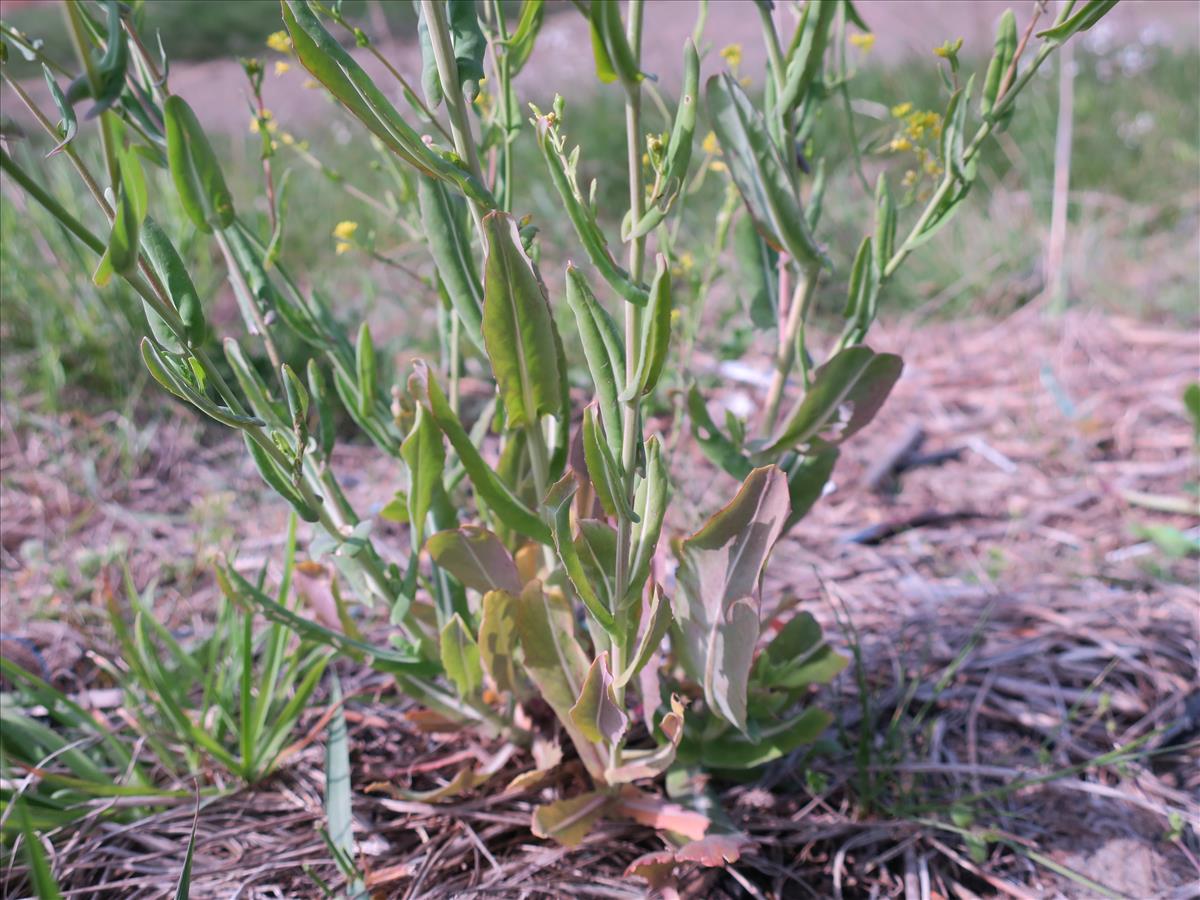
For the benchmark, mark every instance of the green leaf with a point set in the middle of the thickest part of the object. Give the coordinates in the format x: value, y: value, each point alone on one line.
x: 460, y: 656
x: 603, y: 348
x: 614, y: 56
x: 716, y: 607
x: 169, y: 377
x: 555, y: 661
x: 384, y: 659
x: 759, y: 171
x: 443, y: 217
x: 279, y: 480
x: 569, y: 821
x: 736, y: 751
x: 650, y: 505
x: 852, y: 386
x: 122, y: 253
x: 476, y: 557
x: 431, y: 81
x: 339, y: 796
x: 164, y: 259
x: 656, y: 629
x: 596, y: 546
x: 183, y: 887
x: 194, y: 168
x: 1191, y: 402
x: 758, y: 268
x: 1088, y: 15
x: 469, y: 45
x: 596, y: 713
x: 798, y: 656
x: 805, y: 60
x: 68, y: 124
x: 494, y: 492
x: 520, y: 43
x: 498, y: 639
x: 43, y: 882
x: 560, y: 503
x: 651, y: 764
x: 328, y: 62
x: 426, y: 457
x: 807, y: 476
x: 603, y: 470
x: 518, y: 329
x: 713, y: 443
x: 656, y: 335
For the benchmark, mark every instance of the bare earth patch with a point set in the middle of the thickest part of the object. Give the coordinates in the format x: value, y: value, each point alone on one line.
x: 1029, y: 655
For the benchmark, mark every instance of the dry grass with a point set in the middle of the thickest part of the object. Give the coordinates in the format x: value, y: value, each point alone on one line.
x: 1029, y: 659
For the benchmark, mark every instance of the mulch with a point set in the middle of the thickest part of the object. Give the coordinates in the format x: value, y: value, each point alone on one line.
x: 1015, y: 621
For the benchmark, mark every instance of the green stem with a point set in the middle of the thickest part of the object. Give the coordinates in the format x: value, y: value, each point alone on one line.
x: 504, y: 78
x: 460, y: 125
x: 250, y: 302
x: 786, y: 355
x: 52, y: 206
x: 637, y: 264
x: 80, y: 42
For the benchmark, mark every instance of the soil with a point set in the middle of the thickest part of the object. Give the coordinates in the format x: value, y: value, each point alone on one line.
x: 1008, y: 584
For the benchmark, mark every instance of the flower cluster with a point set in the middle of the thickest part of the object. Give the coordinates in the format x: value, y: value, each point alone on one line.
x: 918, y: 134
x: 280, y: 42
x: 343, y: 234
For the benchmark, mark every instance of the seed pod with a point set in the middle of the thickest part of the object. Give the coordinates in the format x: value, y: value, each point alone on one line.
x: 169, y: 267
x: 656, y: 335
x: 885, y: 224
x: 364, y: 358
x: 194, y: 168
x: 297, y: 396
x: 1002, y: 56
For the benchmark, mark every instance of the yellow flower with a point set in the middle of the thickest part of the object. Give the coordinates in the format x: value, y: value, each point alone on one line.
x: 863, y: 42
x: 900, y: 144
x: 344, y: 231
x: 311, y: 84
x: 281, y: 67
x: 342, y: 247
x: 717, y: 166
x: 710, y: 145
x: 287, y: 138
x: 948, y: 50
x: 280, y: 41
x: 687, y: 262
x: 901, y: 110
x: 732, y: 55
x: 910, y: 178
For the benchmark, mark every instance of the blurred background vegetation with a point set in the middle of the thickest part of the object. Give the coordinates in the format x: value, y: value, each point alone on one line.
x: 1135, y: 199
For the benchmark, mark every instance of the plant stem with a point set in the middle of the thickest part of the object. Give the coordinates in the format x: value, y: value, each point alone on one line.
x: 786, y: 354
x: 637, y: 263
x: 80, y: 42
x: 239, y: 285
x: 504, y: 77
x: 460, y: 125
